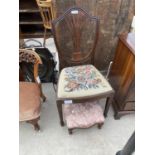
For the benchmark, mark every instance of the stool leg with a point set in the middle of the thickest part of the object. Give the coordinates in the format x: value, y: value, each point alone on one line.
x: 70, y: 131
x: 100, y: 125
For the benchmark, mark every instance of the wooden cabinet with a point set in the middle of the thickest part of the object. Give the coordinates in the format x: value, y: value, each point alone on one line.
x: 122, y: 76
x: 30, y: 21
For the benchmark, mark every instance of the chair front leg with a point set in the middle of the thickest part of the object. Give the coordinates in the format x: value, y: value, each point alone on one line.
x: 34, y: 122
x: 43, y: 97
x: 59, y: 107
x: 108, y: 102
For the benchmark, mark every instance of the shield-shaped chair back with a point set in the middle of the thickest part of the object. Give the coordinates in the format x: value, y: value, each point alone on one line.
x: 75, y: 35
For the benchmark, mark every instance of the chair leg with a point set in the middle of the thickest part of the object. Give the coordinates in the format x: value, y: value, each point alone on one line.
x: 108, y: 103
x: 59, y: 107
x: 44, y: 37
x: 34, y: 122
x: 41, y: 93
x: 70, y: 131
x: 43, y: 97
x: 100, y: 125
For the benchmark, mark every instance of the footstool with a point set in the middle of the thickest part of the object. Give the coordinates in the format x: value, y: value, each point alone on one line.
x: 83, y: 115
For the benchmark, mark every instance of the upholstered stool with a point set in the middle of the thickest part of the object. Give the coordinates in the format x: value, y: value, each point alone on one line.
x: 83, y: 115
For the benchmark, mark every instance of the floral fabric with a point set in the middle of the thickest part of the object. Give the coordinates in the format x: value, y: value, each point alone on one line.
x: 81, y: 81
x: 82, y: 115
x: 81, y: 77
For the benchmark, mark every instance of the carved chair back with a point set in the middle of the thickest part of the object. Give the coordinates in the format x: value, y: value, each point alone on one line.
x: 76, y: 35
x: 46, y: 8
x: 30, y: 56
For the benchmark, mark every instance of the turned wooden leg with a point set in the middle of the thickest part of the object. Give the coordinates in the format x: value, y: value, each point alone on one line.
x: 100, y: 125
x: 44, y: 37
x: 70, y: 131
x: 35, y: 124
x: 59, y: 107
x: 43, y: 97
x: 36, y: 127
x: 41, y: 93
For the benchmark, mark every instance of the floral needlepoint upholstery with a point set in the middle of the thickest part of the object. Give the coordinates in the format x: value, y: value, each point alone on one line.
x: 83, y: 115
x: 81, y: 81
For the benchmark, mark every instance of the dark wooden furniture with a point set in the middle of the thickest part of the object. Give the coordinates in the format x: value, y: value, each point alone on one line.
x: 30, y: 92
x: 74, y: 42
x: 122, y: 76
x: 70, y: 31
x: 30, y: 21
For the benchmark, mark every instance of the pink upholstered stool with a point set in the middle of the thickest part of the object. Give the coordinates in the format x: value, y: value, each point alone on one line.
x: 83, y: 115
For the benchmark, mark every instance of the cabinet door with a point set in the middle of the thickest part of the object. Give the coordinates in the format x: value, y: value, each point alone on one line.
x: 129, y: 103
x: 122, y: 73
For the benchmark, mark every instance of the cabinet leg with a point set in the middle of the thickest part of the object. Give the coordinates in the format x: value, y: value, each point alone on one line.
x: 117, y: 116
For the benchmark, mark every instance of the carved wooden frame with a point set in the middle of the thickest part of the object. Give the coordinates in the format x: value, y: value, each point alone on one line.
x: 29, y: 55
x: 76, y: 58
